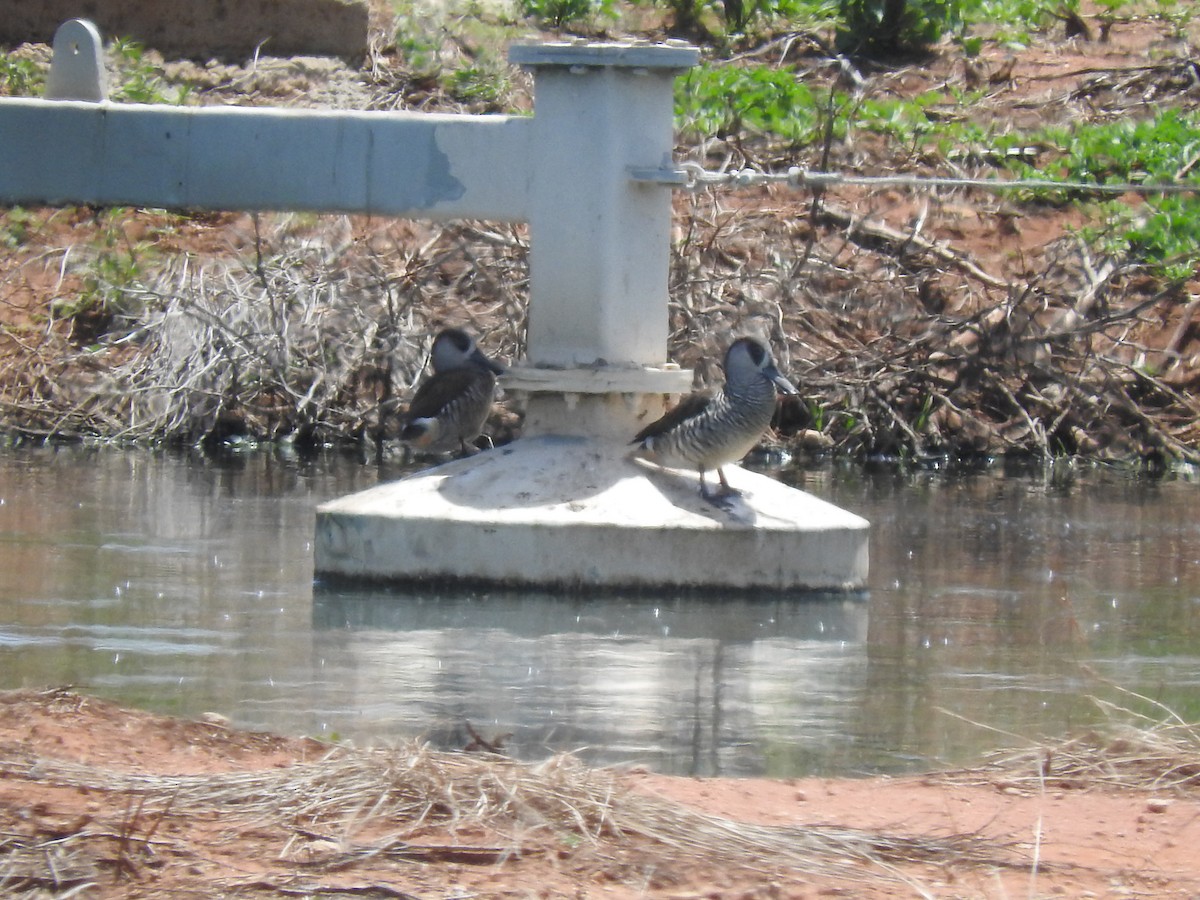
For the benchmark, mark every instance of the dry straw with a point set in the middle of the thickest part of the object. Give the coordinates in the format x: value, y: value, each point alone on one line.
x: 368, y: 806
x: 901, y: 343
x: 1154, y: 750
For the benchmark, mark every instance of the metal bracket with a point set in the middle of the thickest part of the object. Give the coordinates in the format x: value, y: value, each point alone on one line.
x: 77, y: 68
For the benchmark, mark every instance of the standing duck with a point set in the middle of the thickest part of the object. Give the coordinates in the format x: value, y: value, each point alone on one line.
x: 707, y: 431
x: 450, y: 407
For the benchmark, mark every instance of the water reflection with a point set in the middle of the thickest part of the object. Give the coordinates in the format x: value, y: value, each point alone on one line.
x: 1011, y: 599
x: 684, y: 685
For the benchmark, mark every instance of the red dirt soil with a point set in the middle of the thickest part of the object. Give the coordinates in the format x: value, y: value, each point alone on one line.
x: 1059, y: 842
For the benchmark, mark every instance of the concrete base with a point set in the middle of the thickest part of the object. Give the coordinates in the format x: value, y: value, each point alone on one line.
x: 579, y: 513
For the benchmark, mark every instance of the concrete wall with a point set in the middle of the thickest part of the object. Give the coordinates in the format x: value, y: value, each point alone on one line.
x: 227, y: 29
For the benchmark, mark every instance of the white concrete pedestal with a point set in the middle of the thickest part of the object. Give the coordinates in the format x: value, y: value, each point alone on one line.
x: 578, y: 513
x: 564, y: 506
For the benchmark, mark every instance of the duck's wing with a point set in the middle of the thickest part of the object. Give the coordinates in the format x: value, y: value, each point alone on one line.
x: 688, y: 408
x: 440, y: 390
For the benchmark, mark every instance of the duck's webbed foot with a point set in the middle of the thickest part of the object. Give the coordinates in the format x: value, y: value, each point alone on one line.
x: 721, y: 498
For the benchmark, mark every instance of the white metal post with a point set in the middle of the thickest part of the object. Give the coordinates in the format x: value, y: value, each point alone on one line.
x: 600, y: 241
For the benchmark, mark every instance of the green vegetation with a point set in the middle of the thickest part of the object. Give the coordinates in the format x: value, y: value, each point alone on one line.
x: 560, y: 13
x: 1010, y: 22
x: 15, y: 227
x: 484, y: 84
x: 1149, y: 150
x: 890, y: 27
x: 1164, y: 231
x: 20, y: 77
x: 139, y: 80
x: 761, y: 100
x: 421, y: 51
x: 1177, y: 13
x: 758, y: 101
x: 717, y: 20
x: 110, y: 280
x: 436, y: 62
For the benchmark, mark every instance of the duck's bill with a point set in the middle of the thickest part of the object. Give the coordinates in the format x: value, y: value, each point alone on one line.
x: 783, y: 384
x: 479, y: 357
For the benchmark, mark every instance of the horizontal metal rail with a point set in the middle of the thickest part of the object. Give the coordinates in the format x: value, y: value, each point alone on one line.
x: 693, y: 176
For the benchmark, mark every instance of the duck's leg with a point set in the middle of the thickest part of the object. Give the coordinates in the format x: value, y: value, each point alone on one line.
x: 470, y: 448
x: 726, y: 490
x: 721, y: 497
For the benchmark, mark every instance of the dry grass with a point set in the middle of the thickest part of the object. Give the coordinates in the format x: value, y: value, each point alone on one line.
x: 321, y: 337
x: 316, y: 338
x: 1155, y: 750
x: 905, y: 346
x: 368, y: 806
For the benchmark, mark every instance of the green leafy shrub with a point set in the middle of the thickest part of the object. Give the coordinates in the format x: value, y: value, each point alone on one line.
x: 712, y: 20
x: 485, y: 85
x: 726, y: 100
x: 1153, y: 149
x: 1012, y: 21
x: 907, y: 121
x: 891, y: 27
x: 421, y: 52
x: 772, y: 103
x: 740, y: 15
x: 111, y: 271
x: 558, y: 13
x: 16, y: 224
x: 1164, y: 231
x: 141, y: 81
x: 1168, y: 235
x: 20, y: 77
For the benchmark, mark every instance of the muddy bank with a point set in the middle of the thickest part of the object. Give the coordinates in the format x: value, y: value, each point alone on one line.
x: 121, y: 803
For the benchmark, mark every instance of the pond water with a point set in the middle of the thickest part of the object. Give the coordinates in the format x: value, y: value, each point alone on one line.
x: 1001, y: 607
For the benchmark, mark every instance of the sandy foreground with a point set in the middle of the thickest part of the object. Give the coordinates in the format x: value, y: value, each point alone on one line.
x: 97, y: 800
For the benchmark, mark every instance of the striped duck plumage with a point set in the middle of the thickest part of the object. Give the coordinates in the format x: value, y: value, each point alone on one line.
x: 707, y: 431
x: 449, y: 408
